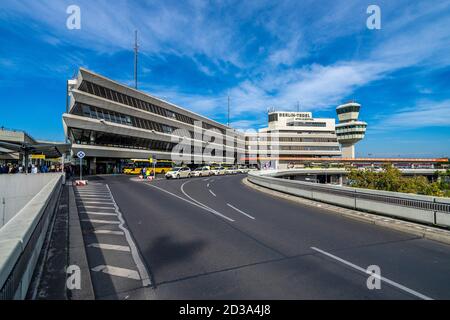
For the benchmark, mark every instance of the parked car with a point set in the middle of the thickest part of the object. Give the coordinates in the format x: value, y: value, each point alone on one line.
x: 218, y: 171
x: 202, y: 172
x: 231, y: 170
x: 243, y: 169
x: 179, y: 172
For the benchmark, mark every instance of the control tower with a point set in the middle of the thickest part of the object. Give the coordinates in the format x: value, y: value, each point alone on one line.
x: 349, y: 130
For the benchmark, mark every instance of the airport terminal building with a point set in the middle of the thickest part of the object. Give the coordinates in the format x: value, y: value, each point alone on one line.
x: 291, y: 137
x: 112, y: 123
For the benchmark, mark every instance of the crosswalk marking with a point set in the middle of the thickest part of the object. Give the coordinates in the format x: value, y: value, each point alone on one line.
x: 99, y: 213
x: 100, y: 221
x: 109, y: 247
x: 118, y: 272
x: 118, y: 233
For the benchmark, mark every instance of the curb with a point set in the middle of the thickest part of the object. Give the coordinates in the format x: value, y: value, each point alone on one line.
x: 77, y: 253
x: 420, y: 230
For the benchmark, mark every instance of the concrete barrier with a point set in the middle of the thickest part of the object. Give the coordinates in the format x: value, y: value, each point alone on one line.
x: 22, y: 237
x: 419, y: 208
x: 16, y: 190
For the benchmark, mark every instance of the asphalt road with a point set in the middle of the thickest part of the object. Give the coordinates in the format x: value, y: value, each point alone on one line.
x: 216, y: 238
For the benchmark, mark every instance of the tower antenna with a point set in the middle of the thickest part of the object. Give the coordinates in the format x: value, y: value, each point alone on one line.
x: 136, y: 52
x: 228, y: 121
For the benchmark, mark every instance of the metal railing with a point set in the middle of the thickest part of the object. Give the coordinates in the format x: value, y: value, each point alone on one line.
x: 426, y: 209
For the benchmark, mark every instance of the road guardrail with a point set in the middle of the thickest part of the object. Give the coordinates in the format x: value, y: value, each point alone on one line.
x: 424, y: 209
x: 21, y: 240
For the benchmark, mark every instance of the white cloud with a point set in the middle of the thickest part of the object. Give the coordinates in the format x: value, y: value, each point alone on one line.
x: 425, y: 114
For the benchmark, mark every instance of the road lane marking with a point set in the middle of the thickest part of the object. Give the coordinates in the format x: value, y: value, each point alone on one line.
x: 212, y: 193
x: 240, y: 211
x: 392, y: 283
x: 118, y: 233
x: 134, y: 251
x: 193, y: 202
x: 118, y: 272
x: 100, y: 221
x: 96, y: 202
x: 99, y: 213
x: 93, y: 197
x: 97, y: 207
x: 207, y: 185
x: 106, y: 246
x: 203, y: 205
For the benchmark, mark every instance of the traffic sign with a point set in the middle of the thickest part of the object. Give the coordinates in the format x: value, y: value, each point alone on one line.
x: 81, y: 154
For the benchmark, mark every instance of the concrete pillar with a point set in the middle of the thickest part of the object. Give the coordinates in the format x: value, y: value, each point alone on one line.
x: 348, y: 151
x: 340, y: 179
x: 93, y: 165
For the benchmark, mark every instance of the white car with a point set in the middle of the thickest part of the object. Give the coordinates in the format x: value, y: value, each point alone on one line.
x: 243, y: 170
x: 178, y: 172
x: 231, y: 170
x: 202, y: 172
x: 218, y: 171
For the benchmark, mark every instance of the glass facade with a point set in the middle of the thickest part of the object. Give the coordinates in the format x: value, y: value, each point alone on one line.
x: 348, y: 109
x: 306, y: 124
x: 115, y: 96
x: 115, y: 117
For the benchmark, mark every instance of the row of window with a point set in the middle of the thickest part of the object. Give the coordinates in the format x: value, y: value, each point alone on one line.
x: 116, y: 117
x: 111, y: 116
x: 113, y: 95
x: 348, y: 109
x: 357, y: 126
x: 89, y: 137
x: 296, y: 139
x: 310, y: 148
x: 306, y: 124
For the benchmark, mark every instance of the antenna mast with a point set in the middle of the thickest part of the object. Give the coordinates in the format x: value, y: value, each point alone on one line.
x: 228, y: 122
x: 136, y: 52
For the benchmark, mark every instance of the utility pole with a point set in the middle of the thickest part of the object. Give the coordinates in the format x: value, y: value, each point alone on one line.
x: 136, y: 51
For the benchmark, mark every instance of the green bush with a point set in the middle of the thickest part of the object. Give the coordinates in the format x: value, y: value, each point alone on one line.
x: 391, y: 179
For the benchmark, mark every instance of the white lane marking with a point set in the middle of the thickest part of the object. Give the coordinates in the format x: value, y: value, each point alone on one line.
x: 100, y: 221
x: 118, y: 272
x: 96, y: 207
x: 193, y: 202
x: 118, y: 233
x: 203, y: 205
x: 93, y: 197
x: 240, y: 211
x: 96, y: 202
x: 392, y: 283
x: 212, y: 193
x: 99, y: 213
x: 134, y: 251
x: 92, y: 192
x: 207, y: 185
x: 109, y: 247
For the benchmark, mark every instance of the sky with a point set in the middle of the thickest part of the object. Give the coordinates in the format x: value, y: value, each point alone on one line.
x: 264, y: 54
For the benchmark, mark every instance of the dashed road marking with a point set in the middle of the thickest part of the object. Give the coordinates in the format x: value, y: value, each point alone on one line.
x: 210, y: 191
x: 109, y: 247
x: 118, y: 272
